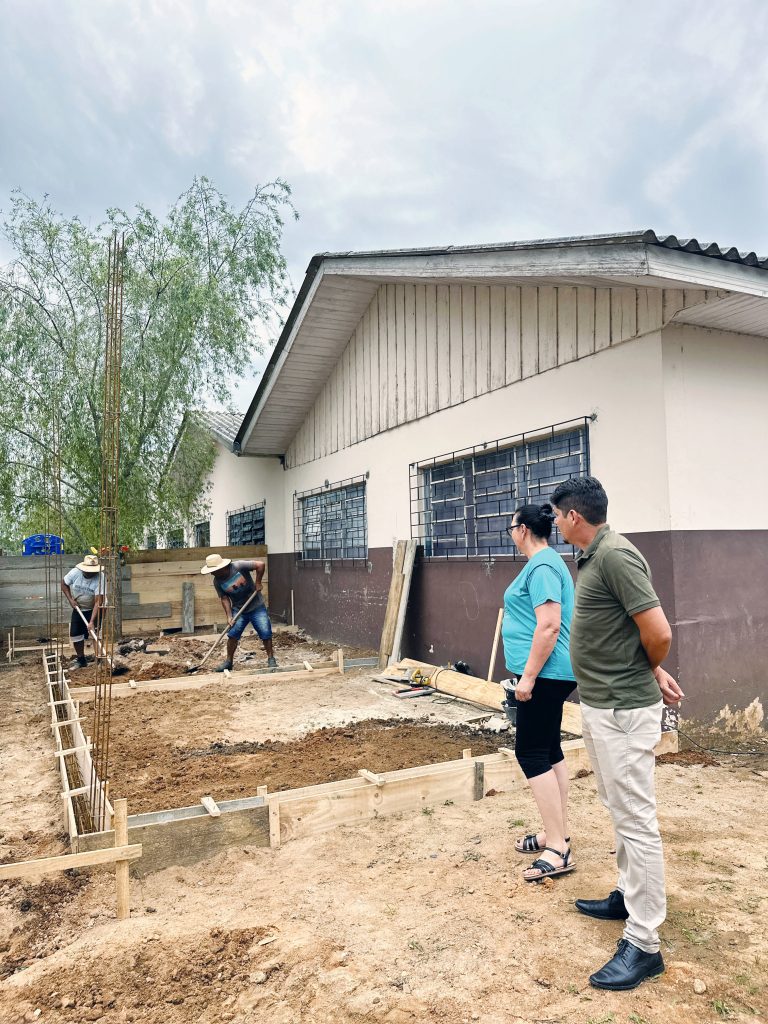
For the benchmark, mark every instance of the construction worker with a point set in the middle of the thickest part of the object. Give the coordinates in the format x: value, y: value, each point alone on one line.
x: 235, y: 586
x: 85, y: 589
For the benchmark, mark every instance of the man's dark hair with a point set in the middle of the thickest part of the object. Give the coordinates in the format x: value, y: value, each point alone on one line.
x: 538, y: 519
x: 585, y: 495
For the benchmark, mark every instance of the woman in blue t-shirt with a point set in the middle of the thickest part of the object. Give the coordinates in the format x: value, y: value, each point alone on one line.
x: 538, y: 606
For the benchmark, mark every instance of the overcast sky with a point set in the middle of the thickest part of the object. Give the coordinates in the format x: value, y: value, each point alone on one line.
x: 398, y: 122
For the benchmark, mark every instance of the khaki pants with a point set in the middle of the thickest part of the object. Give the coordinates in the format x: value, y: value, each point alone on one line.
x: 620, y: 745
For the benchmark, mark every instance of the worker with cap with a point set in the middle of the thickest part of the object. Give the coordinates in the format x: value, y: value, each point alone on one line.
x: 235, y: 585
x: 85, y: 589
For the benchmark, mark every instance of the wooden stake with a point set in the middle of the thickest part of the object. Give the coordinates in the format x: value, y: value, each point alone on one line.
x: 274, y: 822
x: 495, y: 644
x: 293, y: 617
x: 340, y: 659
x: 261, y: 791
x: 466, y: 753
x: 121, y: 867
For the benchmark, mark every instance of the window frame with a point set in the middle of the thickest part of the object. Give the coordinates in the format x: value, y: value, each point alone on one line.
x: 259, y: 506
x: 349, y: 494
x: 469, y: 463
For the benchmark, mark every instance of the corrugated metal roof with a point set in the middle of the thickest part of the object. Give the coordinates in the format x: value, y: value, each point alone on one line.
x: 224, y: 425
x: 648, y: 237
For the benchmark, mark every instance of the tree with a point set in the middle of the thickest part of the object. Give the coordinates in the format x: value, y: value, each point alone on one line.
x: 199, y: 285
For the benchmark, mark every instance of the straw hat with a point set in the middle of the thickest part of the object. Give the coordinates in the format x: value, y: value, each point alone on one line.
x: 89, y: 564
x: 214, y: 562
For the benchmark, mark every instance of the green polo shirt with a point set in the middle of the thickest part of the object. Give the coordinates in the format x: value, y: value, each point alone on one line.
x: 613, y: 584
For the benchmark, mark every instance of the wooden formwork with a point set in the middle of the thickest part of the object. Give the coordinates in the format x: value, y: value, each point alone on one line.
x: 71, y: 743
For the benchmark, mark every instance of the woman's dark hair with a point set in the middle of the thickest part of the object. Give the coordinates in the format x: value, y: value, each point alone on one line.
x: 538, y: 519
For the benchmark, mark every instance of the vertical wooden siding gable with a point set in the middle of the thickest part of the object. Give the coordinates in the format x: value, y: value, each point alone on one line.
x: 419, y: 348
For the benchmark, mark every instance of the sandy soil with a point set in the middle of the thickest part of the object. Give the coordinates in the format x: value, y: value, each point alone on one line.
x: 407, y: 918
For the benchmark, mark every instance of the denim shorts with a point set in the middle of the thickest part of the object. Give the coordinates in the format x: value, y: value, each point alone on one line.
x: 258, y: 616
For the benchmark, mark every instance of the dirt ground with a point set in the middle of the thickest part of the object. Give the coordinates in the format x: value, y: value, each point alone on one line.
x: 408, y: 918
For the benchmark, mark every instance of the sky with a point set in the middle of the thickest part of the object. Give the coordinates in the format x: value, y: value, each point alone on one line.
x: 397, y: 122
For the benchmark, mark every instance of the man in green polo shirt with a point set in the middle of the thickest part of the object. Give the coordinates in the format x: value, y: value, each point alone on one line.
x: 619, y: 637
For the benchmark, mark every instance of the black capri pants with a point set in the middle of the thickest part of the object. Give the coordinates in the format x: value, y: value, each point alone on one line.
x: 539, y: 720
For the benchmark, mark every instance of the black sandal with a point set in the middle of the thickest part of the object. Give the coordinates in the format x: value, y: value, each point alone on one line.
x: 546, y: 870
x: 530, y: 844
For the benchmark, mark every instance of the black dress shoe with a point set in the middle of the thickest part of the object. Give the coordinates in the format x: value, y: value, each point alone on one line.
x: 610, y: 909
x: 629, y: 966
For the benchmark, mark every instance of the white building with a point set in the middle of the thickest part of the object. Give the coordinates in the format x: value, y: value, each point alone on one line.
x: 428, y: 392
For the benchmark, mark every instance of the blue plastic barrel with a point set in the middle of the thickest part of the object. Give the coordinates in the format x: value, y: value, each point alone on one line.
x: 42, y: 544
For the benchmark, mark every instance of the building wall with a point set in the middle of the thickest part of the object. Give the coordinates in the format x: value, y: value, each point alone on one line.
x: 235, y: 482
x: 422, y: 348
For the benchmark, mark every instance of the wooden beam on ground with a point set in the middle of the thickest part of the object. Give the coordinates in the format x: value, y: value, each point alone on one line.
x: 393, y: 604
x: 89, y: 859
x: 480, y: 691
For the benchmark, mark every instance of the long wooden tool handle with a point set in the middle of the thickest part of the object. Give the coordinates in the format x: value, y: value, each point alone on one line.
x: 102, y: 653
x: 218, y: 640
x: 499, y: 620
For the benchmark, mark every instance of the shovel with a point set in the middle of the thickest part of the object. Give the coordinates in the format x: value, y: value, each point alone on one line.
x: 219, y: 638
x: 116, y: 670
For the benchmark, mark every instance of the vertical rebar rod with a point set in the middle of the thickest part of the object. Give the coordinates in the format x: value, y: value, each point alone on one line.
x: 109, y: 552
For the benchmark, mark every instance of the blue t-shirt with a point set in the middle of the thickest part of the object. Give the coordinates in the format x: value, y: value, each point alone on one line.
x: 544, y: 578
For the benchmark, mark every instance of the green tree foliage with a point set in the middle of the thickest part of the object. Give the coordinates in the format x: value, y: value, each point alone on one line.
x: 200, y: 285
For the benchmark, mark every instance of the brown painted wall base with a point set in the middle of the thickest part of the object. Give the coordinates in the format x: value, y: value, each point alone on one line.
x: 714, y: 594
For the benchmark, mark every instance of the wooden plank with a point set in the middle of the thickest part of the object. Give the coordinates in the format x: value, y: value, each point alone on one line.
x: 410, y: 555
x: 496, y: 634
x: 72, y: 750
x: 585, y: 322
x: 548, y: 297
x: 420, y: 342
x: 443, y: 346
x: 468, y: 341
x: 384, y: 369
x: 408, y: 407
x: 431, y: 342
x: 393, y: 604
x: 497, y: 337
x: 566, y: 325
x: 195, y: 554
x: 602, y: 318
x: 395, y: 375
x: 623, y: 314
x: 479, y: 779
x: 529, y: 331
x: 273, y: 810
x: 372, y: 366
x: 456, y: 341
x: 121, y: 868
x: 211, y: 806
x: 482, y: 339
x: 87, y: 859
x: 377, y: 780
x: 183, y: 842
x: 649, y: 310
x: 480, y: 691
x: 513, y: 332
x: 307, y: 816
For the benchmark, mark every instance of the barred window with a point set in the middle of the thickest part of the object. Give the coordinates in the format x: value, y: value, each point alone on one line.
x: 203, y: 535
x: 246, y: 525
x: 176, y: 538
x: 331, y: 522
x: 461, y: 503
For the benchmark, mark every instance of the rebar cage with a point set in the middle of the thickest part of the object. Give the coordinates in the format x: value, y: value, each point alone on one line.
x: 462, y: 501
x: 330, y: 523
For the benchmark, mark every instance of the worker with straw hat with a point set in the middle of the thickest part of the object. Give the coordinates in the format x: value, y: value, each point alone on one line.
x: 235, y: 585
x: 85, y: 589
